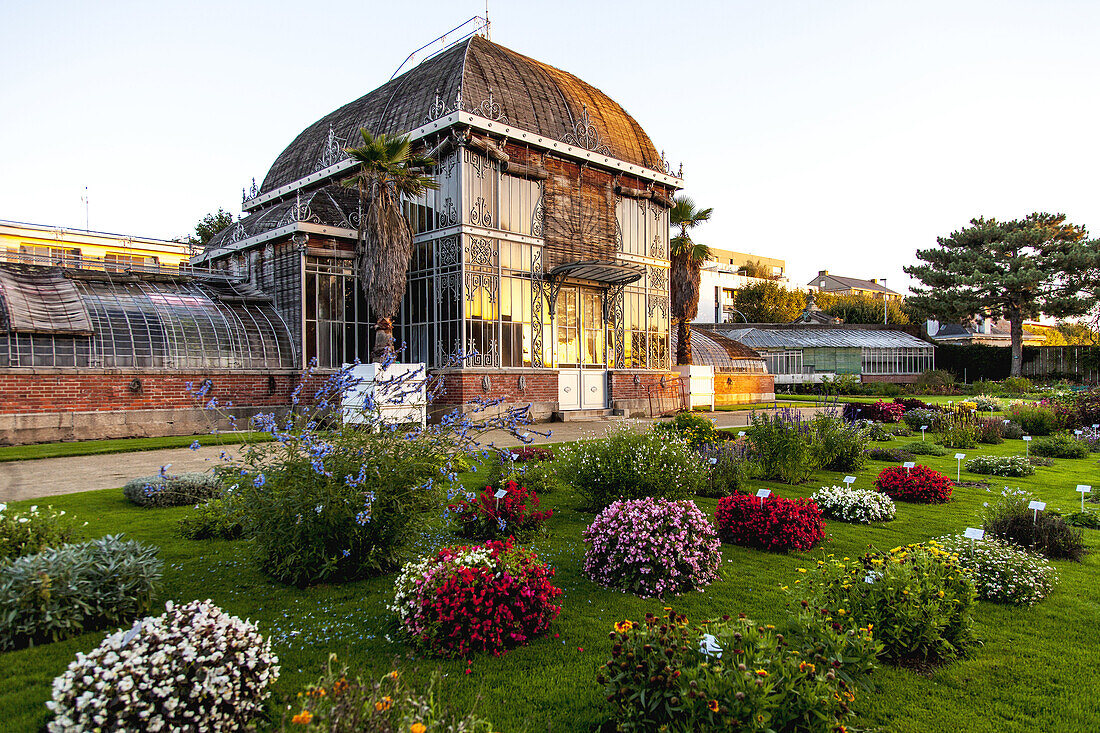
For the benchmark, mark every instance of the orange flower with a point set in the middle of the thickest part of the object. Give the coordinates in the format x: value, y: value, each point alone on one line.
x: 417, y: 728
x: 713, y: 705
x: 624, y: 626
x: 802, y: 667
x: 302, y: 718
x: 385, y: 704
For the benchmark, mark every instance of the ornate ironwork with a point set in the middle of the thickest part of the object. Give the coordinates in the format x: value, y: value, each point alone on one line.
x: 452, y: 282
x: 614, y: 302
x: 478, y: 162
x: 618, y: 225
x: 655, y: 247
x: 539, y: 215
x: 658, y: 278
x: 658, y: 301
x: 252, y: 192
x: 480, y: 214
x: 585, y: 135
x: 482, y: 280
x: 481, y: 251
x: 448, y: 215
x: 538, y: 294
x: 486, y: 358
x: 438, y: 109
x: 237, y: 234
x: 488, y: 109
x: 333, y: 152
x: 447, y: 167
x: 448, y: 251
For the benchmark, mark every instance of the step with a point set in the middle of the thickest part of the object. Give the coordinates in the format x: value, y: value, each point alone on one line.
x: 580, y: 415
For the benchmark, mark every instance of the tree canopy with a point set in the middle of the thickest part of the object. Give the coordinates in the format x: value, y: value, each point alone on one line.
x: 769, y: 302
x: 208, y: 226
x: 1017, y: 270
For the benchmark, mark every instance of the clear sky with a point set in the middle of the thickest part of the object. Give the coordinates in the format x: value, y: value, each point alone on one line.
x: 837, y: 135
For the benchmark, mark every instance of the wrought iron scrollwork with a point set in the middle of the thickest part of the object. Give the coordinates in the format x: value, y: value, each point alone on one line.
x: 447, y: 216
x: 252, y: 192
x: 538, y: 295
x: 333, y: 152
x: 448, y: 251
x: 658, y: 278
x: 488, y: 282
x: 585, y: 135
x: 480, y: 215
x: 539, y: 215
x: 614, y: 306
x: 481, y: 251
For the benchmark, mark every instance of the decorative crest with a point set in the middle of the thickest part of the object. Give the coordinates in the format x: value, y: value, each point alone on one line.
x: 333, y: 152
x: 585, y: 135
x: 251, y: 193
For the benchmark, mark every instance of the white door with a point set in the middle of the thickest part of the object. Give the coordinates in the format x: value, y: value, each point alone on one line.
x: 569, y: 389
x: 581, y: 349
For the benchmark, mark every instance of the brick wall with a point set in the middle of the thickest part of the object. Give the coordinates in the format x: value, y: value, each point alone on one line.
x: 891, y: 378
x: 462, y: 386
x: 646, y: 395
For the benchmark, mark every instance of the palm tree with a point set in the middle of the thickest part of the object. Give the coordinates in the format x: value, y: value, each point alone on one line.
x: 687, y: 262
x: 387, y: 171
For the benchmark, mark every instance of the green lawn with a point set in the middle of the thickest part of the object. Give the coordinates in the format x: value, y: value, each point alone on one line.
x: 1038, y: 668
x: 118, y: 445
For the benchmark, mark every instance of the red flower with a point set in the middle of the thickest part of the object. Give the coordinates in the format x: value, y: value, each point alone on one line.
x: 918, y: 484
x: 774, y: 523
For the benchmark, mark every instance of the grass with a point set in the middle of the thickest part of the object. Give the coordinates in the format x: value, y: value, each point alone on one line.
x: 1037, y: 668
x: 118, y: 445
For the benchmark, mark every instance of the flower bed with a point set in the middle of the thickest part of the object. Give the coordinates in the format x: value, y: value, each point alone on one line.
x: 1002, y: 572
x: 25, y: 533
x: 919, y: 484
x: 1000, y: 466
x: 773, y: 523
x: 484, y: 516
x: 192, y: 668
x: 470, y: 599
x: 854, y: 505
x: 652, y: 547
x: 1061, y: 445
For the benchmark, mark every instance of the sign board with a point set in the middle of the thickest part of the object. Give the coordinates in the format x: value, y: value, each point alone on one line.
x: 909, y: 464
x: 923, y: 427
x: 1027, y: 438
x: 1077, y: 432
x: 501, y: 493
x: 1037, y: 505
x: 849, y: 480
x: 764, y: 493
x: 1095, y: 425
x: 974, y: 534
x: 713, y: 461
x: 1006, y: 422
x: 1084, y: 489
x: 709, y: 646
x: 960, y: 456
x: 740, y: 433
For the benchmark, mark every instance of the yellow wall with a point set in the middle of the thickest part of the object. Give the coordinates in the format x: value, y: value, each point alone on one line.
x: 95, y: 248
x: 739, y: 259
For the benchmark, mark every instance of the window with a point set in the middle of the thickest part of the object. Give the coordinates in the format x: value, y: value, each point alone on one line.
x: 121, y: 262
x: 642, y: 227
x: 519, y: 199
x: 337, y: 321
x: 783, y: 362
x: 896, y: 361
x: 41, y: 254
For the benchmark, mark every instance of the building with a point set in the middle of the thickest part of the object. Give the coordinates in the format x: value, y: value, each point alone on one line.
x: 740, y: 373
x: 724, y: 273
x: 805, y: 352
x: 36, y: 244
x: 837, y: 285
x: 981, y: 331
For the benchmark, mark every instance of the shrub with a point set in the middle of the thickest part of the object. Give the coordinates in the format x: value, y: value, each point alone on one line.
x: 537, y: 475
x: 959, y: 434
x: 1012, y: 430
x: 692, y: 427
x: 854, y: 505
x: 1040, y: 461
x: 878, y: 433
x: 1090, y: 438
x: 773, y: 523
x: 1086, y: 518
x: 987, y: 403
x: 652, y: 547
x: 70, y: 590
x: 734, y: 674
x: 1044, y: 532
x: 1000, y: 466
x: 783, y: 444
x: 213, y: 519
x: 192, y: 668
x: 901, y: 430
x: 919, y: 484
x: 628, y: 465
x: 911, y: 403
x: 936, y: 378
x: 915, y: 597
x: 25, y: 533
x: 1016, y: 385
x: 880, y: 411
x: 483, y: 516
x: 729, y: 467
x: 1001, y: 572
x: 481, y: 598
x: 892, y: 455
x: 172, y: 490
x: 934, y: 419
x: 924, y: 448
x: 839, y: 445
x: 342, y: 702
x: 525, y: 453
x: 990, y: 431
x: 1034, y: 419
x: 1060, y: 445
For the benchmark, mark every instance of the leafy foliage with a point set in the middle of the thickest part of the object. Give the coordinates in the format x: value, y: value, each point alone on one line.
x: 1010, y: 519
x: 783, y: 445
x: 692, y: 427
x: 1002, y: 572
x: 1060, y: 445
x: 221, y: 518
x: 1000, y: 466
x: 484, y: 517
x: 25, y: 533
x: 686, y: 263
x: 184, y: 489
x: 1034, y: 419
x: 210, y: 225
x: 729, y: 468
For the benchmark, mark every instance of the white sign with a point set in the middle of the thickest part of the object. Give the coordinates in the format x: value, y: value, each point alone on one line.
x: 1095, y: 425
x: 849, y: 480
x: 1077, y: 432
x: 1084, y: 489
x: 974, y: 533
x: 713, y: 461
x: 923, y: 428
x: 764, y: 493
x: 709, y: 646
x: 501, y: 493
x: 909, y: 464
x: 740, y: 433
x: 1006, y: 422
x: 1037, y: 505
x: 131, y: 633
x: 1027, y: 438
x: 960, y: 456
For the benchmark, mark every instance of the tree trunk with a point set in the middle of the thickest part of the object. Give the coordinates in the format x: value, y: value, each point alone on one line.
x: 1017, y: 369
x: 683, y: 342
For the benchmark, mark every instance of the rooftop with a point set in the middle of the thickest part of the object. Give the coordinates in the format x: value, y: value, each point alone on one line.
x: 820, y: 336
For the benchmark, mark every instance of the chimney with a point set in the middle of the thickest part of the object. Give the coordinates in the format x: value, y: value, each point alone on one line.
x: 874, y: 281
x: 822, y: 273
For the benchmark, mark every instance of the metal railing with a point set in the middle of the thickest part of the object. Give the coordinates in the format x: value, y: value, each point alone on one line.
x: 122, y: 267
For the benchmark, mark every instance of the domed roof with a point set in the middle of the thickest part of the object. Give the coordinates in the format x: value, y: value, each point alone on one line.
x: 531, y: 95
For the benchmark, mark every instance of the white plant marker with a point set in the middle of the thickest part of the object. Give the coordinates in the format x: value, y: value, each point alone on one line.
x: 973, y: 533
x: 958, y: 466
x: 1083, y: 489
x: 1027, y: 446
x: 714, y: 461
x: 1095, y: 425
x: 763, y: 494
x: 709, y: 646
x: 500, y: 494
x: 740, y: 433
x: 1036, y: 507
x: 849, y: 480
x: 907, y: 465
x: 1006, y: 422
x: 922, y: 429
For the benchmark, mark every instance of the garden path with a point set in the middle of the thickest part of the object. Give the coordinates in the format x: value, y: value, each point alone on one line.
x: 35, y: 479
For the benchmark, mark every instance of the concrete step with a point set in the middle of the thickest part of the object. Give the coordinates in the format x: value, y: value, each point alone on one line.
x: 579, y: 415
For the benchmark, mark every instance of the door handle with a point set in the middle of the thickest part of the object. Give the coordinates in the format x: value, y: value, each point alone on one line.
x: 592, y: 389
x: 565, y: 389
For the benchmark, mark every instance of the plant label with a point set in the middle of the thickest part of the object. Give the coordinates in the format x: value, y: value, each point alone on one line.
x: 849, y: 480
x: 501, y: 493
x: 1077, y: 432
x: 132, y: 633
x: 1037, y: 505
x: 974, y: 533
x: 709, y: 646
x: 714, y: 461
x: 1083, y: 489
x: 960, y: 456
x: 1095, y: 425
x: 923, y: 427
x: 1027, y: 438
x: 1006, y: 422
x: 764, y: 493
x: 740, y: 433
x: 909, y: 464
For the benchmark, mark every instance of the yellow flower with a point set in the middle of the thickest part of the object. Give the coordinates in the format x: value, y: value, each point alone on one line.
x: 802, y: 570
x: 624, y: 626
x: 392, y: 675
x: 840, y: 612
x: 761, y: 673
x: 417, y: 728
x: 806, y: 665
x: 713, y: 705
x: 939, y: 593
x: 302, y: 718
x: 769, y: 626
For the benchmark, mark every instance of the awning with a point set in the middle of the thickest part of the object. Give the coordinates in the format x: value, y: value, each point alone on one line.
x: 601, y: 271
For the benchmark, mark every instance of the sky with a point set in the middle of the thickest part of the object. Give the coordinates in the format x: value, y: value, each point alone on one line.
x: 836, y: 135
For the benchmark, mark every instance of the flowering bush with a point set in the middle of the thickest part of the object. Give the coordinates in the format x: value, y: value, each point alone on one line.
x: 916, y: 598
x: 504, y: 467
x: 735, y: 674
x: 483, y: 516
x: 1010, y: 519
x: 1035, y: 419
x: 1061, y: 445
x: 881, y: 411
x: 729, y: 466
x: 988, y: 403
x: 25, y: 533
x: 919, y: 484
x: 911, y: 403
x: 652, y: 547
x: 193, y: 668
x: 220, y: 518
x: 924, y: 448
x: 959, y: 434
x: 481, y: 598
x: 783, y: 444
x: 69, y: 590
x: 629, y: 465
x: 991, y: 431
x: 891, y: 455
x: 1002, y: 572
x: 166, y: 489
x: 916, y: 417
x: 697, y: 430
x: 838, y: 445
x: 1000, y: 466
x: 773, y: 523
x: 343, y: 702
x: 854, y: 505
x: 524, y: 453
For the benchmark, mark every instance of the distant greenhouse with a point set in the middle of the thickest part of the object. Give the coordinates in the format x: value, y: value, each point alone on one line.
x: 799, y: 353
